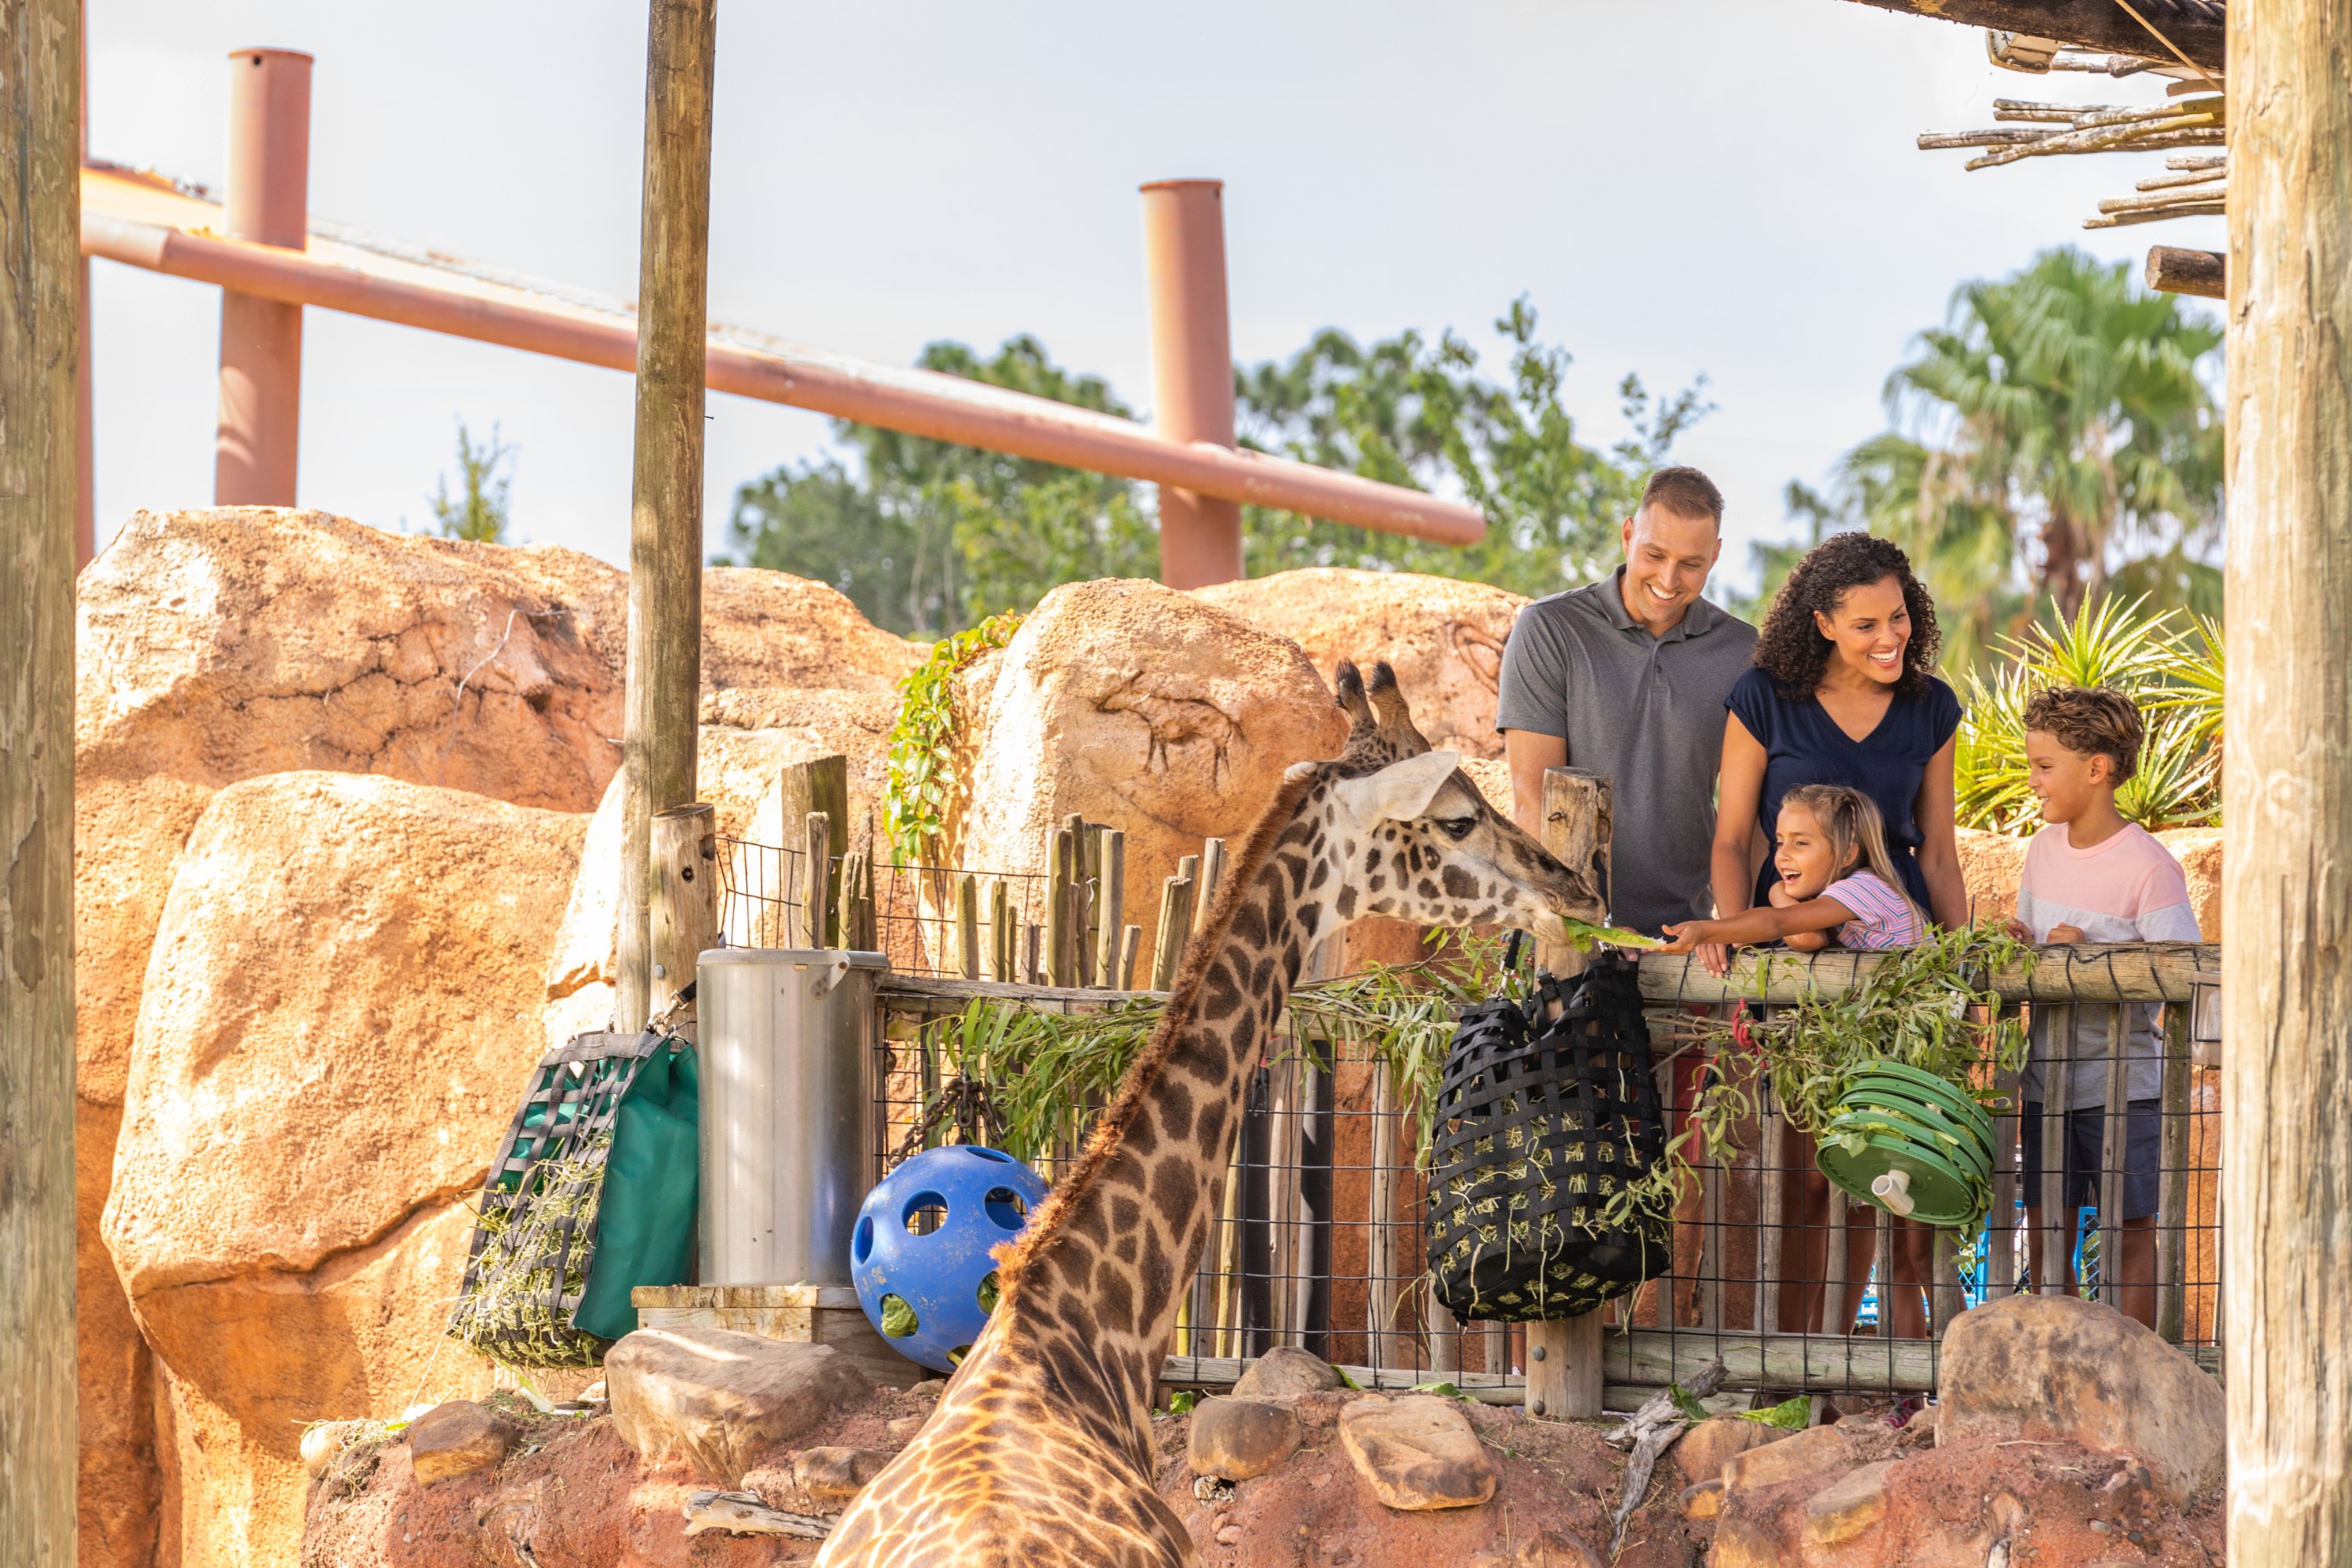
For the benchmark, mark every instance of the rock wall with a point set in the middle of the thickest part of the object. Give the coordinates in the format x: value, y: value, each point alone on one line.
x: 1444, y: 637
x: 232, y: 644
x: 343, y: 997
x: 1140, y: 707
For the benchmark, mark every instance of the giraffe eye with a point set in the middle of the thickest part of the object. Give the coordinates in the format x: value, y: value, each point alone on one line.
x: 1456, y: 826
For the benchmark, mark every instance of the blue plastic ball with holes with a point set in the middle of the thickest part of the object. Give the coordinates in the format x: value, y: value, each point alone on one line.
x: 919, y: 1255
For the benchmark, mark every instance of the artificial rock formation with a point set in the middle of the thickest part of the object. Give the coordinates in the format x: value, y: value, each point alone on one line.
x: 1443, y: 636
x: 714, y: 1399
x: 342, y: 1002
x: 1141, y: 707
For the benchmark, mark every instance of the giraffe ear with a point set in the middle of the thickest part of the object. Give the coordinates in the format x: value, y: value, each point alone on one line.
x: 1400, y: 791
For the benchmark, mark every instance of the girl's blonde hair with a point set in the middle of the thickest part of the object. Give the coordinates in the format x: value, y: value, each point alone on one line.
x: 1850, y: 821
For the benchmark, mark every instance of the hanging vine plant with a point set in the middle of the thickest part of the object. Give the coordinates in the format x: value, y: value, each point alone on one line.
x: 921, y: 778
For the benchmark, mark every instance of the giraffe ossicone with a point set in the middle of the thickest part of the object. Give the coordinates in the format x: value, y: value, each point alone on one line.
x: 1040, y: 1452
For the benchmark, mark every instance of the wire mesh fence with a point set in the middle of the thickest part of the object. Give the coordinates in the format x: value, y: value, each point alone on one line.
x: 911, y: 913
x: 1320, y: 1236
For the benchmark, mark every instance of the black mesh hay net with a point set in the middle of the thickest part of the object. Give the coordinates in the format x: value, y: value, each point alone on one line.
x: 1538, y: 1124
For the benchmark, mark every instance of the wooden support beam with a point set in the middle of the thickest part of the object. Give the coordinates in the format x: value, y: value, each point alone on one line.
x: 2286, y: 992
x: 40, y: 217
x: 1564, y: 1356
x: 2172, y: 269
x: 2197, y: 29
x: 661, y: 705
x: 685, y: 896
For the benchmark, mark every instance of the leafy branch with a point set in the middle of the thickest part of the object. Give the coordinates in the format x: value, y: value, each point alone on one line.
x: 921, y: 771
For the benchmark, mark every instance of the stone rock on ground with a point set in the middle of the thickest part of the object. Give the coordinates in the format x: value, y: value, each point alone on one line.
x: 1963, y: 1506
x: 575, y: 1495
x: 2045, y: 1368
x: 1417, y: 1452
x: 1817, y: 1451
x: 1443, y: 636
x: 342, y: 1001
x: 458, y: 1437
x: 716, y: 1399
x: 829, y: 1477
x: 1283, y: 1371
x: 1700, y: 1453
x: 1141, y: 707
x: 1237, y: 1439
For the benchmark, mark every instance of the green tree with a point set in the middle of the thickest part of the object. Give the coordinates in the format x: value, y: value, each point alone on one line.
x: 1411, y: 412
x: 485, y: 473
x: 927, y: 537
x: 2053, y: 440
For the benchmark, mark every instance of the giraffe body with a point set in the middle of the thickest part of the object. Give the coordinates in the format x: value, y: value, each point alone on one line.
x: 1040, y: 1453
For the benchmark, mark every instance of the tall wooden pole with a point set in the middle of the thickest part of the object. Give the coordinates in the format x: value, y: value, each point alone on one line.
x: 662, y: 708
x: 1564, y: 1354
x: 2286, y: 1125
x: 40, y: 251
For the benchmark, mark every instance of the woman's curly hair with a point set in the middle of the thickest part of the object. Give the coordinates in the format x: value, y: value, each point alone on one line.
x: 1792, y: 649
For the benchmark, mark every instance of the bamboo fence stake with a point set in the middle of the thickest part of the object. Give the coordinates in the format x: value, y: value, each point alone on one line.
x: 1110, y: 907
x: 1061, y: 908
x: 817, y: 839
x: 968, y: 925
x: 684, y: 910
x: 1211, y: 876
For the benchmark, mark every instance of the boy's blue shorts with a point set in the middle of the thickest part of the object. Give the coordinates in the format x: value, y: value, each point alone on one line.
x: 2086, y: 1131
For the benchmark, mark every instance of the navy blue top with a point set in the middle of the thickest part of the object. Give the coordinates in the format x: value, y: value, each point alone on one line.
x: 1802, y: 744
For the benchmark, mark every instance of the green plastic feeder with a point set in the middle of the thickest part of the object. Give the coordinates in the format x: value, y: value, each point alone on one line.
x: 1926, y: 1147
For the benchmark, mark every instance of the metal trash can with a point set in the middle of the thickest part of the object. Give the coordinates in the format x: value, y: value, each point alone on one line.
x: 788, y: 1106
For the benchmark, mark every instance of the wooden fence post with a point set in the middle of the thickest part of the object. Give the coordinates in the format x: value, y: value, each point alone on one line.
x: 816, y: 893
x: 1110, y: 908
x: 1062, y: 904
x: 662, y: 699
x: 1175, y: 927
x: 1564, y: 1355
x: 40, y: 260
x: 2286, y: 820
x: 967, y: 909
x: 685, y: 896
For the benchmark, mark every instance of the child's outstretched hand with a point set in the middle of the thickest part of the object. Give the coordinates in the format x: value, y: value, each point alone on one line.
x: 2018, y: 930
x: 2063, y: 936
x: 1687, y: 936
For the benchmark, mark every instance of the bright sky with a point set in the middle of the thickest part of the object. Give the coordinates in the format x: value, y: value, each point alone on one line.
x: 1681, y: 187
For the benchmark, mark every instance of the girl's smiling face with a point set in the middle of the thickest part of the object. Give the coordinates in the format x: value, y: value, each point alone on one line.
x: 1802, y: 852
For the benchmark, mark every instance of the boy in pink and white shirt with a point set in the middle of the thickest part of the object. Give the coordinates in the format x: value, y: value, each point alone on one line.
x: 2091, y: 877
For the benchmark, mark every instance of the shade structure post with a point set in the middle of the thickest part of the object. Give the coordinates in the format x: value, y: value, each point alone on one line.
x: 39, y: 323
x: 1191, y: 370
x: 2286, y: 793
x: 268, y: 202
x: 661, y: 707
x: 1564, y: 1355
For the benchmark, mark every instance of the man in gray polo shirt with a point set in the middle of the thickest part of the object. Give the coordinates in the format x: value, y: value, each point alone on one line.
x: 1627, y: 677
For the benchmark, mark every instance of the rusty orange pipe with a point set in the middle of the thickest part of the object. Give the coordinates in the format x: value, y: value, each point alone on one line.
x: 1191, y: 369
x: 260, y: 429
x: 919, y: 402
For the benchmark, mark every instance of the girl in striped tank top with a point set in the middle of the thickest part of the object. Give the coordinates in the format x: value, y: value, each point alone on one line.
x: 1836, y: 880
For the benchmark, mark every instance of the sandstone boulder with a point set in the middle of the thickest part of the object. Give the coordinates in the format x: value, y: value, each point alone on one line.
x: 2198, y: 850
x: 1236, y: 1439
x: 1417, y: 1452
x: 1137, y: 706
x: 1443, y: 636
x: 768, y: 633
x: 2045, y: 1368
x: 341, y: 1005
x: 1814, y: 1451
x: 714, y: 1398
x: 829, y: 1477
x: 1701, y: 1453
x: 1991, y: 865
x: 1283, y: 1371
x: 457, y: 1438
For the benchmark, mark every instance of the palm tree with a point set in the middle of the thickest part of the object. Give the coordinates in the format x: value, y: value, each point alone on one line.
x: 2056, y: 433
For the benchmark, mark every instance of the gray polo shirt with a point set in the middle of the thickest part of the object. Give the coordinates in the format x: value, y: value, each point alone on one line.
x: 1647, y: 711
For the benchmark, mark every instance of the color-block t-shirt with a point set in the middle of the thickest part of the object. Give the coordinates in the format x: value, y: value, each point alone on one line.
x: 2127, y: 888
x: 1883, y: 917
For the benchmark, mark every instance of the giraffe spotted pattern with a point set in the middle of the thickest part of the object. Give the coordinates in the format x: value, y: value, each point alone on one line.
x: 1040, y: 1451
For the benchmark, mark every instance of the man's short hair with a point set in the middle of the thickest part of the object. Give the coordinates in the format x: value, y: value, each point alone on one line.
x: 2090, y: 722
x: 1685, y: 492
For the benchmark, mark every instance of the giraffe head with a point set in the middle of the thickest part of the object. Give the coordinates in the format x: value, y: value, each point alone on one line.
x: 1412, y: 839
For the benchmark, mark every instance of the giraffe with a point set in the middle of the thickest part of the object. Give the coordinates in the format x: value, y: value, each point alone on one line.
x: 1040, y: 1451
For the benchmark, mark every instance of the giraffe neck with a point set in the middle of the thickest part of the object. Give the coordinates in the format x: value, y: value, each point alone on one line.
x: 1099, y: 1279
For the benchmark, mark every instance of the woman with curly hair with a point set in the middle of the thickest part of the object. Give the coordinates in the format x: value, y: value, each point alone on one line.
x: 1842, y: 692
